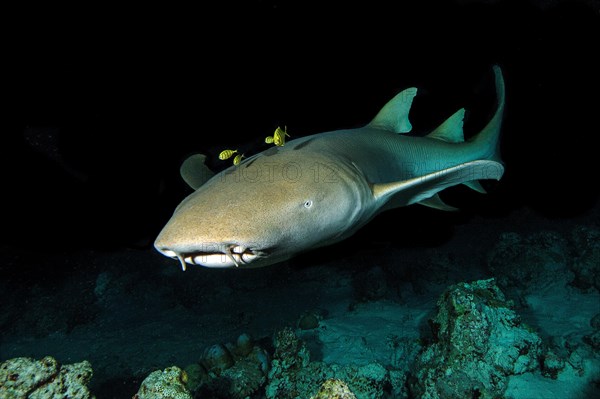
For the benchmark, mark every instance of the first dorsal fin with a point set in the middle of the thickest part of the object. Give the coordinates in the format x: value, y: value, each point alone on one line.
x: 394, y: 115
x: 451, y: 130
x: 194, y: 171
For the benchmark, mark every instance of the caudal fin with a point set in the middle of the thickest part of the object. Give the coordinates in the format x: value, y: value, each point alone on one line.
x: 489, y: 137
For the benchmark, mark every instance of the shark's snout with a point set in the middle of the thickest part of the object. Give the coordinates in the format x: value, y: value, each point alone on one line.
x: 208, y: 255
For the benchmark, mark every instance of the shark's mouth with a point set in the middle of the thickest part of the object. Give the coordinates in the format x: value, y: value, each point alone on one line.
x: 233, y: 255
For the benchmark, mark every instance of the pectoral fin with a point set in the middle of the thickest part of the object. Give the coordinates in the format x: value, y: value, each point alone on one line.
x: 423, y: 189
x: 194, y: 171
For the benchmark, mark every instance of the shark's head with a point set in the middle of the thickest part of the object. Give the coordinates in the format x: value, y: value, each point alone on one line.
x: 265, y: 210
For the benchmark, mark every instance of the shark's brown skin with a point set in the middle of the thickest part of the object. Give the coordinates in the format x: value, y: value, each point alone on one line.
x: 320, y: 189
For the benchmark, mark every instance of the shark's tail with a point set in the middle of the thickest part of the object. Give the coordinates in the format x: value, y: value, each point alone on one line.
x: 489, y: 137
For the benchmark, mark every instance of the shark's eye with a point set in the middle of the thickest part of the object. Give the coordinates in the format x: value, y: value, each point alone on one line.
x: 308, y: 203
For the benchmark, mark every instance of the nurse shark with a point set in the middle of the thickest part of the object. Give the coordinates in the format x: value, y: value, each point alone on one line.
x: 320, y: 189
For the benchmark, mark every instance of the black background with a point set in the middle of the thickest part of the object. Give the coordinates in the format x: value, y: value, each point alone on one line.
x: 104, y: 104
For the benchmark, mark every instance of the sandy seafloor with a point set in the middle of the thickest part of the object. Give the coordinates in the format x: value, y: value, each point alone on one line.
x: 146, y: 314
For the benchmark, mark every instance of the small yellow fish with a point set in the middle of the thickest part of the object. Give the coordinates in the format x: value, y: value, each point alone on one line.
x: 238, y: 159
x: 226, y: 154
x: 279, y: 136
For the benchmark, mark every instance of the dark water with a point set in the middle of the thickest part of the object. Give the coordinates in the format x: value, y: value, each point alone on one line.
x: 105, y: 106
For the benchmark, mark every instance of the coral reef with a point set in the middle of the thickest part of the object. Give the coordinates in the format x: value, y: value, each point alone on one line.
x: 230, y: 370
x: 529, y: 263
x: 290, y: 360
x: 244, y: 345
x: 526, y: 263
x: 308, y: 321
x: 549, y: 274
x: 290, y: 351
x: 593, y: 339
x: 334, y: 389
x: 552, y: 364
x: 293, y: 375
x: 477, y: 344
x: 26, y: 378
x: 371, y: 381
x: 586, y: 265
x: 196, y: 376
x: 217, y: 359
x: 242, y: 380
x: 478, y: 341
x: 169, y: 383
